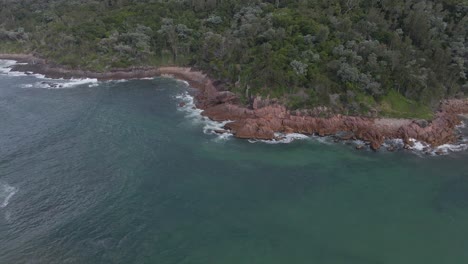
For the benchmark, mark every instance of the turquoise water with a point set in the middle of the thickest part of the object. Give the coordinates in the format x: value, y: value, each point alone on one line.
x: 115, y: 172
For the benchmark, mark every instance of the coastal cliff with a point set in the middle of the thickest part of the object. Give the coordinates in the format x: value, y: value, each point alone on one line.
x: 264, y: 119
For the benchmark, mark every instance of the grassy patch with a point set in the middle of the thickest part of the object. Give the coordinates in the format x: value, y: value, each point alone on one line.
x: 396, y: 105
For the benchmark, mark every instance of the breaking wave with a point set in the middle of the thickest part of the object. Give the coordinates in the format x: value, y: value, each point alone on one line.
x: 193, y: 113
x: 419, y: 147
x: 5, y: 66
x: 45, y: 83
x: 461, y: 145
x: 62, y: 83
x: 282, y: 138
x: 217, y: 128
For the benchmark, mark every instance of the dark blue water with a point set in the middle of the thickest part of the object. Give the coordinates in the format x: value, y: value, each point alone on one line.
x: 115, y: 172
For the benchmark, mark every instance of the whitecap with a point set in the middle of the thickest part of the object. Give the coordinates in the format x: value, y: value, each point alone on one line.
x: 281, y: 138
x: 418, y: 145
x: 447, y: 148
x: 193, y: 113
x: 421, y: 147
x: 5, y: 66
x: 61, y: 83
x: 184, y: 82
x: 211, y: 127
x: 76, y: 82
x: 118, y: 81
x: 327, y: 140
x: 16, y: 74
x: 6, y: 192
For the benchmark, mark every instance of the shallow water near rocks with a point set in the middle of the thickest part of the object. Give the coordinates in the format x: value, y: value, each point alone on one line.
x: 117, y: 172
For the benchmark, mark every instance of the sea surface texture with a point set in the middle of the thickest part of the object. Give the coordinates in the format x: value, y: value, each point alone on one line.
x: 118, y: 172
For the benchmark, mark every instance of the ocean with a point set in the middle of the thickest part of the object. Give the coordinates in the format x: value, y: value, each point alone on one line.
x: 118, y: 172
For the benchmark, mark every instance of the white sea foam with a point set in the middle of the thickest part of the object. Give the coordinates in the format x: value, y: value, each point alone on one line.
x: 282, y: 138
x: 76, y: 82
x: 184, y: 82
x: 118, y: 81
x: 194, y: 114
x: 396, y: 143
x: 421, y: 147
x: 447, y: 148
x: 16, y: 73
x: 46, y: 83
x: 62, y: 83
x: 5, y: 66
x: 6, y: 192
x: 418, y: 145
x: 28, y: 73
x: 210, y: 127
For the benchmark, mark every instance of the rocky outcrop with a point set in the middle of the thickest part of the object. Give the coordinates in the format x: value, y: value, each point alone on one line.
x: 264, y: 118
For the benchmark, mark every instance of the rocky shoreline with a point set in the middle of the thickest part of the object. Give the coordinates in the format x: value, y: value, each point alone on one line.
x: 264, y: 119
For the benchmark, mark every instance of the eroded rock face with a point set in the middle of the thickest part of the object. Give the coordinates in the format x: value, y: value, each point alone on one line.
x: 266, y: 117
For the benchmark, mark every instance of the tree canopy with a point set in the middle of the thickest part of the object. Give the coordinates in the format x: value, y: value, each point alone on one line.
x: 395, y: 57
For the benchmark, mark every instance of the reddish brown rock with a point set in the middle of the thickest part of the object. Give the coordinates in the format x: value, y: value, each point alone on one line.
x: 265, y: 116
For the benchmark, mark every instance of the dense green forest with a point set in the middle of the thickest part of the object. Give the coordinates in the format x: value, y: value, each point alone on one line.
x: 393, y: 57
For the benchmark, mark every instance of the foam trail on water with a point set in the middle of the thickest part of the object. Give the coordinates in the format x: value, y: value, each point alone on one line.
x: 193, y: 113
x: 6, y: 192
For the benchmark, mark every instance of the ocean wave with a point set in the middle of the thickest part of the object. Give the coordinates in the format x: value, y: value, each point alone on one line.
x: 421, y: 147
x: 193, y: 113
x: 6, y: 192
x: 118, y: 81
x: 184, y: 82
x: 213, y: 127
x: 46, y: 83
x: 282, y: 138
x: 62, y: 83
x: 5, y: 66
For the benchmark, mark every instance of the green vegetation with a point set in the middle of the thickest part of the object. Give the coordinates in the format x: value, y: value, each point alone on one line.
x: 396, y: 105
x: 394, y: 57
